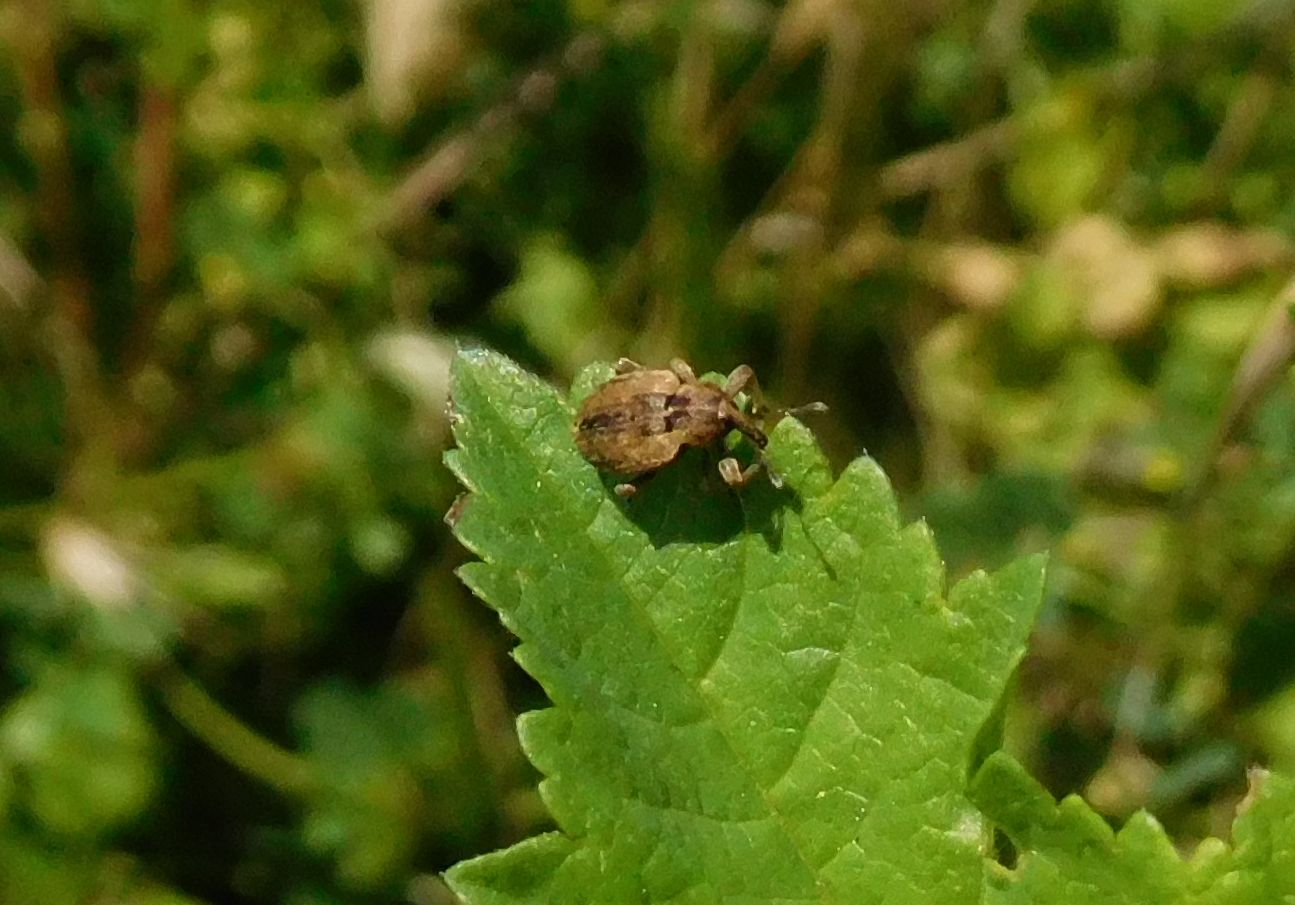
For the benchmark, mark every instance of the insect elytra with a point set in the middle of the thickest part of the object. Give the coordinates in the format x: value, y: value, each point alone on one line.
x: 641, y: 419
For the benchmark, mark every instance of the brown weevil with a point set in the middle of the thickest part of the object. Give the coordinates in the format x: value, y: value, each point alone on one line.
x: 641, y: 420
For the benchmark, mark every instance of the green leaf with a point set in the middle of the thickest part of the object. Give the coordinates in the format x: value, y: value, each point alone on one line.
x: 761, y: 696
x: 378, y: 755
x: 31, y: 874
x: 40, y: 871
x: 82, y: 749
x: 1262, y: 867
x: 1069, y: 855
x: 220, y: 576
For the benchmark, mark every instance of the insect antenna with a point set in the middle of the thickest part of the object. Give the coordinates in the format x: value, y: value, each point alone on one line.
x: 809, y: 408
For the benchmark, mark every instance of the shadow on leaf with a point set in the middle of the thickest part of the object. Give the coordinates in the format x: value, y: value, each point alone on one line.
x: 688, y: 502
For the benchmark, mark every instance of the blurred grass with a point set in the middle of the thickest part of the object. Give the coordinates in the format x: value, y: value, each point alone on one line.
x: 1033, y: 254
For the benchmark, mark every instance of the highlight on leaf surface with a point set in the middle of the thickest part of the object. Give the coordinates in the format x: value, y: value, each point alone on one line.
x: 762, y: 696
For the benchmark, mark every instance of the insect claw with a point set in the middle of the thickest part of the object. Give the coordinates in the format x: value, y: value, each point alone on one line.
x: 734, y: 474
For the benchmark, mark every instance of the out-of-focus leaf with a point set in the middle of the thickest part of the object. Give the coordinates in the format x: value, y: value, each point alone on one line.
x: 218, y: 576
x: 985, y: 524
x: 6, y: 790
x: 555, y: 299
x: 82, y: 748
x: 30, y: 875
x: 379, y: 757
x: 1062, y: 161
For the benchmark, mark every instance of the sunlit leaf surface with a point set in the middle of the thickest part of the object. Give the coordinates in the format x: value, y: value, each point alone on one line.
x: 764, y: 697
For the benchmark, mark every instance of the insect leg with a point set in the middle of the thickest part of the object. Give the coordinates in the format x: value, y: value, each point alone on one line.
x: 743, y: 379
x: 626, y: 365
x: 683, y: 370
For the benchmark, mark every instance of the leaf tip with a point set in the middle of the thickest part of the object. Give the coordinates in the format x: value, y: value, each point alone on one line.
x: 482, y: 364
x: 794, y: 453
x: 474, y: 356
x: 517, y: 874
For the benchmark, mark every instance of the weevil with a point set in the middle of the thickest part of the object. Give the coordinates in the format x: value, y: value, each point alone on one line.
x: 641, y: 419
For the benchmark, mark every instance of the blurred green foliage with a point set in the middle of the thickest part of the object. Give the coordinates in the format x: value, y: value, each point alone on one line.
x: 1033, y: 254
